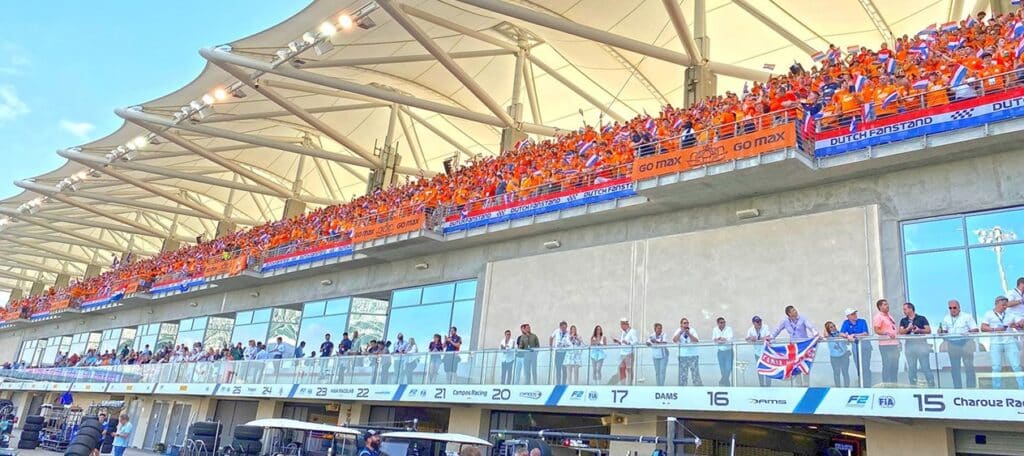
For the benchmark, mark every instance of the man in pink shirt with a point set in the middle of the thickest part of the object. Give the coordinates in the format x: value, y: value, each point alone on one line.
x: 888, y: 346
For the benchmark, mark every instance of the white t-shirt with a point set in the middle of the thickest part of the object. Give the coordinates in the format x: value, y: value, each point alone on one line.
x: 658, y: 350
x: 724, y: 334
x: 686, y: 347
x: 999, y: 321
x: 561, y: 339
x: 758, y: 338
x: 627, y: 339
x: 509, y: 346
x: 961, y: 324
x: 1016, y: 311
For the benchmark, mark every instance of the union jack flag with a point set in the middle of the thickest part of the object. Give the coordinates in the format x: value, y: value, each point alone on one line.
x: 782, y: 362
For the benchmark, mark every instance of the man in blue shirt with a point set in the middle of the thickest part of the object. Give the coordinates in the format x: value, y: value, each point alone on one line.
x: 123, y: 435
x: 855, y: 329
x: 326, y: 348
x: 371, y: 446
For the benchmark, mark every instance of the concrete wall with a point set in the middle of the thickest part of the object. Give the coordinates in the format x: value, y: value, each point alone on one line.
x: 977, y: 183
x: 735, y: 272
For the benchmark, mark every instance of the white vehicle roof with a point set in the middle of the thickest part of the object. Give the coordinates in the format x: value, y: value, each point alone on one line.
x: 282, y: 423
x: 437, y: 436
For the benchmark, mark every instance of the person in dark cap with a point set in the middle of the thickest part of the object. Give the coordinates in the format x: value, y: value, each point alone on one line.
x: 756, y: 336
x: 371, y: 444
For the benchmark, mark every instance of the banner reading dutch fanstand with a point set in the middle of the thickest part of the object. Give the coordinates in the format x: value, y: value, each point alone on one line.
x: 962, y: 114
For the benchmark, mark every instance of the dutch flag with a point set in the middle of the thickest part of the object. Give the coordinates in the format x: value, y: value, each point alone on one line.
x: 929, y: 30
x: 858, y: 83
x: 890, y: 66
x: 959, y: 76
x: 1018, y: 30
x: 607, y: 128
x: 650, y: 126
x: 971, y: 22
x: 593, y: 161
x: 585, y: 147
x: 854, y: 124
x: 921, y: 85
x: 868, y: 111
x: 921, y: 50
x: 818, y: 56
x: 678, y: 123
x: 834, y: 57
x: 522, y: 143
x: 949, y: 26
x: 954, y: 45
x: 1020, y: 49
x: 883, y: 57
x: 852, y: 50
x: 889, y: 99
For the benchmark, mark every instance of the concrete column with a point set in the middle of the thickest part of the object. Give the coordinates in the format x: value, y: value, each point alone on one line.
x: 92, y: 270
x: 638, y: 425
x: 37, y: 288
x: 21, y: 400
x: 62, y: 280
x: 141, y: 423
x: 269, y: 408
x: 699, y: 81
x: 470, y: 421
x: 890, y: 437
x: 225, y: 227
x: 16, y: 294
x: 170, y: 245
x: 356, y: 413
x: 293, y: 207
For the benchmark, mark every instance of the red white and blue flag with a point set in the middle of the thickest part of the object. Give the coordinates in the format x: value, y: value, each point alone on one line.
x: 593, y: 160
x: 954, y: 45
x: 958, y: 76
x: 1020, y: 49
x: 921, y: 85
x: 852, y: 50
x: 971, y: 22
x: 782, y: 362
x: 854, y: 124
x: 949, y: 26
x: 818, y: 56
x: 858, y: 82
x: 890, y: 66
x: 929, y: 30
x: 868, y: 110
x: 890, y: 99
x: 1018, y: 29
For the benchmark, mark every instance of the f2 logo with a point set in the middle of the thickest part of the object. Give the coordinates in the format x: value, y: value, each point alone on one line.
x: 930, y: 403
x: 857, y: 401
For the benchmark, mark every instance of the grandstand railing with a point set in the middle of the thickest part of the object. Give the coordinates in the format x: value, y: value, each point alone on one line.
x: 738, y: 361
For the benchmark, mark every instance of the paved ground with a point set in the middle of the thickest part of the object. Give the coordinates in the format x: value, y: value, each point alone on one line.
x: 42, y: 452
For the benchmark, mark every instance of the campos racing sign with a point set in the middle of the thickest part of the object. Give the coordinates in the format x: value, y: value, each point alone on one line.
x: 604, y: 191
x: 953, y: 116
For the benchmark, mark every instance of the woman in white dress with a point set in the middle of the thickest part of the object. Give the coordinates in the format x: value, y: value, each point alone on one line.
x: 597, y: 354
x: 574, y: 358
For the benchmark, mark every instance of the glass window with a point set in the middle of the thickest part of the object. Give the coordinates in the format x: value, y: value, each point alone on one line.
x: 462, y: 318
x: 369, y: 306
x: 995, y: 227
x: 261, y: 316
x: 933, y: 279
x: 438, y: 293
x: 337, y: 306
x: 995, y: 271
x: 245, y: 333
x: 313, y: 309
x: 465, y: 290
x: 370, y: 327
x: 218, y: 332
x: 200, y: 323
x: 934, y: 234
x: 407, y: 297
x: 243, y: 318
x: 312, y: 330
x: 285, y: 324
x: 411, y: 322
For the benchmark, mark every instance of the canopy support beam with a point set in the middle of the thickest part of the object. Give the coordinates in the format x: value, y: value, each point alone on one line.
x: 89, y: 240
x: 675, y: 13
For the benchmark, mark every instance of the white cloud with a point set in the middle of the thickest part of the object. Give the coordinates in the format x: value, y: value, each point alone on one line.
x: 10, y: 105
x: 80, y: 129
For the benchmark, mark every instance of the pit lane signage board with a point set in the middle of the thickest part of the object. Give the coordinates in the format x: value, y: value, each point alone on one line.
x: 131, y: 388
x: 187, y: 389
x: 89, y: 387
x: 254, y: 390
x: 347, y: 392
x: 481, y: 394
x: 994, y: 405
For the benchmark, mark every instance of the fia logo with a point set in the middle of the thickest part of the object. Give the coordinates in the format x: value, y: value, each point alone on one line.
x: 886, y: 401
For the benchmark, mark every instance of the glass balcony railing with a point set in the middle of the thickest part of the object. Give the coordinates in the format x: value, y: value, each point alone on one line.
x: 971, y: 361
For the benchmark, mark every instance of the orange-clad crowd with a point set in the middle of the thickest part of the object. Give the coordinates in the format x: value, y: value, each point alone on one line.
x: 975, y: 55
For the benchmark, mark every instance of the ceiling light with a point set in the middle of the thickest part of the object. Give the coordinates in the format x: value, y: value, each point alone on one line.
x: 283, y: 54
x: 422, y: 266
x: 203, y: 110
x: 309, y: 37
x: 326, y: 282
x: 295, y: 46
x: 322, y: 47
x: 327, y: 29
x: 140, y: 141
x: 208, y: 99
x: 366, y: 23
x: 553, y: 244
x: 238, y: 93
x: 345, y: 21
x: 854, y: 434
x: 220, y: 94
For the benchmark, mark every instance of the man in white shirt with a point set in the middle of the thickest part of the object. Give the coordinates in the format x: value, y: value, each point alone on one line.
x: 250, y: 351
x: 1015, y: 303
x: 560, y: 341
x: 756, y: 335
x: 508, y: 360
x: 960, y: 349
x: 722, y: 335
x: 401, y: 347
x: 998, y: 322
x: 689, y: 359
x: 659, y: 354
x: 627, y: 340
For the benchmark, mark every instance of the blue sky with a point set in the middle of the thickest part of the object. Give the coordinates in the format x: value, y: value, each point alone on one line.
x: 65, y: 65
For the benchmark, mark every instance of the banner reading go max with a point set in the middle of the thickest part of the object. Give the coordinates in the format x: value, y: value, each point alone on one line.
x: 748, y: 145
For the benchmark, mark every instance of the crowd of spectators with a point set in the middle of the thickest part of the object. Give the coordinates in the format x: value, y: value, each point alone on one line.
x: 954, y: 61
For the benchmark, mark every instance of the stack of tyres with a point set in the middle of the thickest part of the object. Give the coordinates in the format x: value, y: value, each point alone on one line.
x: 87, y: 438
x: 107, y: 445
x: 247, y: 440
x: 208, y: 433
x: 30, y: 433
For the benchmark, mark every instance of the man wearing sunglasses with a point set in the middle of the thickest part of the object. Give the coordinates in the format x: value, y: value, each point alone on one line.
x: 955, y: 326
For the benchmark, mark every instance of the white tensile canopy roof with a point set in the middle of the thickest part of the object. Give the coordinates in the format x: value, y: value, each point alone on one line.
x: 244, y: 157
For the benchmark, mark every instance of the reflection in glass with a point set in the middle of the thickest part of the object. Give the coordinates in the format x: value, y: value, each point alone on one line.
x: 465, y: 290
x: 337, y: 306
x: 995, y: 271
x: 411, y: 322
x: 406, y: 297
x: 995, y: 227
x: 218, y: 332
x: 935, y: 278
x: 313, y: 309
x: 312, y: 330
x: 933, y: 234
x: 438, y: 293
